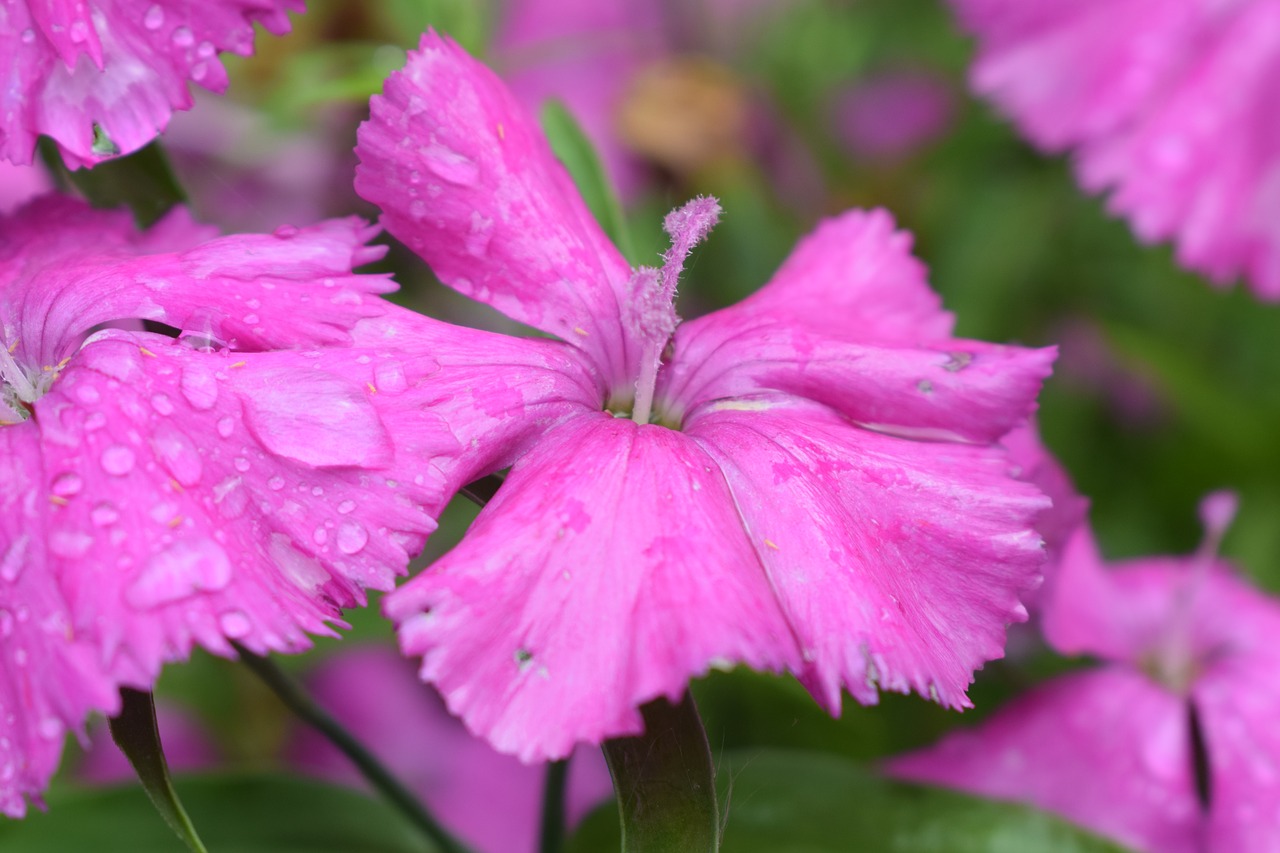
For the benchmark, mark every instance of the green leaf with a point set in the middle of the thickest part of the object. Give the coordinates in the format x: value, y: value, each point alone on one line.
x: 665, y: 783
x: 240, y: 813
x: 142, y: 181
x: 813, y: 803
x: 579, y: 156
x: 135, y: 731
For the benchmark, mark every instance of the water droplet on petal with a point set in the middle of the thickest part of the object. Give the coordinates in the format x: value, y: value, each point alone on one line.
x: 205, y: 50
x: 241, y: 464
x: 14, y: 559
x: 320, y: 535
x: 68, y: 484
x: 183, y: 37
x: 28, y: 36
x: 185, y: 568
x: 276, y: 483
x: 179, y: 455
x: 117, y: 460
x: 154, y: 19
x: 94, y: 421
x: 235, y: 624
x: 50, y: 728
x: 162, y: 404
x: 284, y: 232
x: 199, y: 70
x: 346, y: 507
x: 389, y: 377
x: 252, y: 319
x: 450, y: 165
x: 87, y: 394
x: 79, y: 32
x: 226, y: 426
x: 351, y: 537
x: 319, y: 420
x: 199, y: 386
x: 305, y: 572
x: 104, y: 514
x: 71, y: 544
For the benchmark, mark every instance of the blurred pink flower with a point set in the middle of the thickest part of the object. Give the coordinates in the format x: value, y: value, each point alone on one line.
x: 490, y: 800
x: 101, y: 77
x: 1168, y: 103
x: 231, y: 483
x: 1185, y: 645
x: 807, y: 481
x: 892, y: 115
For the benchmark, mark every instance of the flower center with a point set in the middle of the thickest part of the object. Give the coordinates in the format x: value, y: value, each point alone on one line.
x: 651, y: 309
x: 20, y: 388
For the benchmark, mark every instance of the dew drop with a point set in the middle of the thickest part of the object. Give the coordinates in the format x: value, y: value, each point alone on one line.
x: 68, y: 484
x: 104, y: 514
x: 199, y: 386
x: 241, y: 464
x: 450, y: 165
x: 94, y: 421
x: 199, y: 70
x: 320, y: 535
x: 284, y: 232
x: 79, y: 32
x: 389, y: 377
x: 50, y: 728
x: 179, y: 455
x: 205, y: 50
x: 226, y: 426
x: 252, y: 319
x: 183, y: 37
x: 180, y: 571
x: 351, y: 538
x: 319, y: 420
x: 276, y: 483
x: 154, y: 19
x: 14, y: 559
x: 117, y: 460
x: 235, y: 624
x: 70, y: 544
x: 346, y: 507
x: 87, y: 394
x: 162, y: 404
x: 305, y: 572
x: 28, y: 36
x: 417, y: 209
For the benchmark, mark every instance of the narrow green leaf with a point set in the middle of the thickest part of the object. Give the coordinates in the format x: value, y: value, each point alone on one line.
x: 804, y: 802
x: 141, y: 181
x: 134, y: 731
x: 665, y: 783
x: 579, y: 156
x: 552, y: 832
x: 240, y: 813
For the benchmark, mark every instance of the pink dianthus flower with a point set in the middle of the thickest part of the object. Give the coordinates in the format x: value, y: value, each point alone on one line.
x: 1189, y: 653
x: 242, y: 480
x: 1168, y: 103
x: 101, y: 77
x: 808, y: 481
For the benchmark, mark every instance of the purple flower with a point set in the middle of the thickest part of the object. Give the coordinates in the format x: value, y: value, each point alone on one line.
x: 808, y: 481
x: 892, y: 115
x: 101, y: 77
x: 1169, y: 104
x: 240, y: 481
x: 1186, y: 645
x: 490, y: 800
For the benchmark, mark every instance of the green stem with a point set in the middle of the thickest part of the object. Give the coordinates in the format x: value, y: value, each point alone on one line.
x: 297, y: 700
x: 553, y: 807
x: 665, y: 782
x: 134, y: 730
x: 142, y: 181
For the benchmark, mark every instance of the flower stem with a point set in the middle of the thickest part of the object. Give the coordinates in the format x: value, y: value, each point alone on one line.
x: 665, y: 782
x: 553, y: 807
x: 297, y: 700
x: 134, y: 730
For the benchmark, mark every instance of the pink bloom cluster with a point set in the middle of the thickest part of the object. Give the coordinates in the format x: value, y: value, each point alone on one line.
x: 241, y: 476
x: 1190, y: 654
x: 102, y: 77
x: 1170, y: 104
x: 809, y: 481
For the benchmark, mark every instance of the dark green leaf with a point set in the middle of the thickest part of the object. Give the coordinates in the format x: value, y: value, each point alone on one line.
x: 241, y: 813
x: 796, y: 802
x: 141, y: 181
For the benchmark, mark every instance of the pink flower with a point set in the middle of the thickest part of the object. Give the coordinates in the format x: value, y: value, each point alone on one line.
x: 1168, y: 103
x: 102, y: 77
x: 241, y: 481
x: 894, y: 114
x: 807, y: 481
x: 491, y: 801
x: 20, y: 184
x: 1190, y: 652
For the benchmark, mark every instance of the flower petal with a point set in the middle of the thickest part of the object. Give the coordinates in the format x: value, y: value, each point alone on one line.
x: 464, y: 176
x: 1106, y: 748
x: 118, y: 65
x: 898, y: 563
x: 610, y: 568
x: 65, y: 268
x: 50, y: 679
x: 207, y: 496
